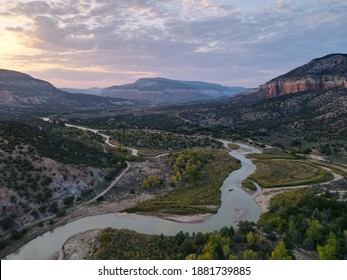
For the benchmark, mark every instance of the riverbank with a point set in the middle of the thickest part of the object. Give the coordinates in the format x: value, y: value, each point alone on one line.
x: 79, y: 247
x: 96, y: 209
x: 263, y: 199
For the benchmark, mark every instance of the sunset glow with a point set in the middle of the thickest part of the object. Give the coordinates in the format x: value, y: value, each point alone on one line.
x: 102, y: 43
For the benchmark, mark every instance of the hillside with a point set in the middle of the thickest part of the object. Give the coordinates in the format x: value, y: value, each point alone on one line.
x: 322, y: 73
x: 19, y: 90
x: 165, y: 90
x: 47, y: 169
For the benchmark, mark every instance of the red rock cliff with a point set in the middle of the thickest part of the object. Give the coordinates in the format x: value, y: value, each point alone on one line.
x: 322, y: 73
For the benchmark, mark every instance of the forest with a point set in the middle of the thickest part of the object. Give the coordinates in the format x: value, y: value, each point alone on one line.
x: 161, y: 140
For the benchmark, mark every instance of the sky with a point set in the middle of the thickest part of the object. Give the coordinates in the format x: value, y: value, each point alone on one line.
x: 100, y: 43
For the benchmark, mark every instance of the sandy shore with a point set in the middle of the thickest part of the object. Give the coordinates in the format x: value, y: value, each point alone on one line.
x: 109, y: 207
x: 186, y: 219
x: 264, y: 197
x: 80, y: 246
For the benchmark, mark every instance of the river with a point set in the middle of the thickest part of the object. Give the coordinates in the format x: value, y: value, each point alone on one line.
x: 236, y: 205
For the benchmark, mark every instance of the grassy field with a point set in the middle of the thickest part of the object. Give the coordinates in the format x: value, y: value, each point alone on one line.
x: 153, y: 153
x: 282, y: 173
x: 200, y: 197
x: 270, y: 156
x: 248, y: 184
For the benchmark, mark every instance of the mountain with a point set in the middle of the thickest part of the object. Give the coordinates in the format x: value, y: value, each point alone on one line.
x: 322, y: 73
x: 93, y: 90
x: 19, y: 90
x: 165, y: 90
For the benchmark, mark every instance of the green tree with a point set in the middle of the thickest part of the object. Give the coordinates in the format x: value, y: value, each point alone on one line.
x: 250, y: 255
x: 313, y: 232
x: 233, y: 257
x: 280, y: 252
x: 329, y: 251
x: 253, y: 238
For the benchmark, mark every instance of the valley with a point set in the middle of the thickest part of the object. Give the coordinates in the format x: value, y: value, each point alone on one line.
x: 260, y: 175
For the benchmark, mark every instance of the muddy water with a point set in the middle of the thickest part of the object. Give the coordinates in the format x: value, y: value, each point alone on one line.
x: 236, y: 205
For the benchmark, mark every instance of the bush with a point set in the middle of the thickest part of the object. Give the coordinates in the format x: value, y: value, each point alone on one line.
x: 68, y: 200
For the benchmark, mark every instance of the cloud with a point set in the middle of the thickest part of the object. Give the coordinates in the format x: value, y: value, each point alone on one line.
x: 15, y: 28
x: 211, y: 40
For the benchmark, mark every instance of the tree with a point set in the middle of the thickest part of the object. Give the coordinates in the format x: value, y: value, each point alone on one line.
x: 191, y: 257
x: 179, y: 238
x: 253, y: 238
x: 233, y: 257
x: 187, y: 247
x: 329, y: 251
x: 200, y: 238
x: 246, y: 226
x: 250, y: 255
x: 313, y: 232
x: 280, y: 252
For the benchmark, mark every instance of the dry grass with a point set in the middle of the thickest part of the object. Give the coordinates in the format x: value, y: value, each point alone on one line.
x: 282, y: 173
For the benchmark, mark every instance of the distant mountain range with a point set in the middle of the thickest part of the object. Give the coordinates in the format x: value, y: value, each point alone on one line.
x: 21, y: 90
x: 166, y: 90
x: 322, y: 73
x: 93, y: 90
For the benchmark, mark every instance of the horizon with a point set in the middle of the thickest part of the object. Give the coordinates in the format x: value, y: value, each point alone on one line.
x: 79, y: 44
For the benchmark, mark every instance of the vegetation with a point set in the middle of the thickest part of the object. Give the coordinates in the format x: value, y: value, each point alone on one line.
x: 161, y: 140
x: 281, y: 173
x: 152, y: 181
x: 311, y: 219
x: 249, y: 185
x: 66, y: 145
x: 292, y: 122
x: 195, y: 185
x: 335, y: 168
x: 152, y: 153
x: 223, y: 245
x: 39, y: 163
x: 269, y: 155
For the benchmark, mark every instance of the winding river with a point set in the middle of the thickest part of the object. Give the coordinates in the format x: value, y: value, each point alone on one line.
x: 236, y: 205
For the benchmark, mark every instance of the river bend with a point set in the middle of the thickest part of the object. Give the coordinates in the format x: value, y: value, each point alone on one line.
x: 236, y: 205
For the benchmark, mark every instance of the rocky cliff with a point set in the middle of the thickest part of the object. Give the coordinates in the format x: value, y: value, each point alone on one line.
x: 322, y: 73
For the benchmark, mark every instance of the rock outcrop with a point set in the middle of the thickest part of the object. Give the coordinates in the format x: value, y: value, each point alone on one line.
x: 322, y: 73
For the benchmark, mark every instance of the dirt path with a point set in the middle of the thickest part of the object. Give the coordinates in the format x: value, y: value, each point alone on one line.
x: 134, y: 152
x: 108, y: 188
